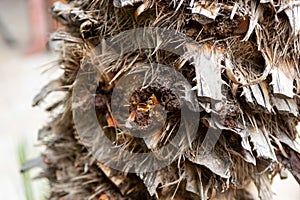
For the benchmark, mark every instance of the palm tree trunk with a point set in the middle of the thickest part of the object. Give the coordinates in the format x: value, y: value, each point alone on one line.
x: 230, y: 94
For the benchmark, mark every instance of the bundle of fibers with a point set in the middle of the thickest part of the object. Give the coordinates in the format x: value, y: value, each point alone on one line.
x: 249, y: 48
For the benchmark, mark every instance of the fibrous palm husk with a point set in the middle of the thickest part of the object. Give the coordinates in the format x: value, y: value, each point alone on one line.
x: 254, y: 45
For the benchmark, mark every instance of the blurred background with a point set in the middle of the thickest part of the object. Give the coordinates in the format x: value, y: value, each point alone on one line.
x: 25, y: 67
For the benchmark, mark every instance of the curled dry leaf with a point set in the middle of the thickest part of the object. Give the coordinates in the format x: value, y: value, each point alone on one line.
x: 55, y: 85
x: 208, y: 12
x: 207, y: 62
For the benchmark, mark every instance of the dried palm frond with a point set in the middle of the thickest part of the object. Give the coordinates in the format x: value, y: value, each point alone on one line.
x: 249, y: 49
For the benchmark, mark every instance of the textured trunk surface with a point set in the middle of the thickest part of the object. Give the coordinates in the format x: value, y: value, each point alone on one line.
x: 252, y: 47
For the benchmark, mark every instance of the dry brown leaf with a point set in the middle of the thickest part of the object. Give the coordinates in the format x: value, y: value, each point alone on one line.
x: 218, y: 164
x: 207, y: 62
x: 142, y: 8
x: 122, y: 3
x: 118, y: 178
x: 208, y: 13
x: 194, y: 182
x: 54, y: 85
x: 282, y: 79
x: 262, y: 145
x: 285, y: 139
x: 292, y: 10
